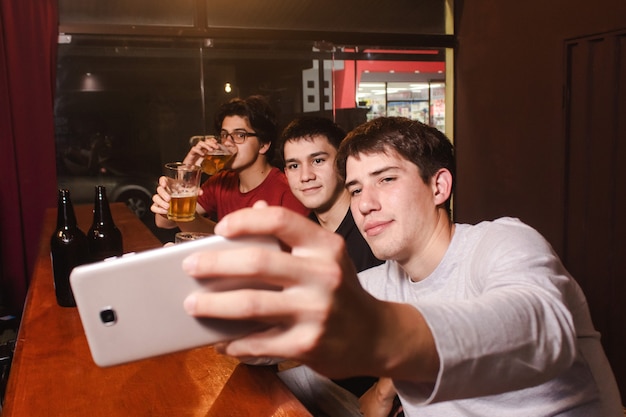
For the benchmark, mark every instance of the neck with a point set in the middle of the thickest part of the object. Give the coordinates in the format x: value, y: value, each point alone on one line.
x: 331, y: 217
x: 421, y: 264
x: 252, y: 176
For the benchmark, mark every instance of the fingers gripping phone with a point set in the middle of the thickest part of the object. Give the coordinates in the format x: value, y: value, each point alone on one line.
x: 131, y: 307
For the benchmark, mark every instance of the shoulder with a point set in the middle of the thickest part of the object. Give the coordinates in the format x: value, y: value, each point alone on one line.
x: 375, y: 271
x: 277, y: 175
x: 372, y: 274
x: 347, y: 225
x: 504, y: 250
x: 276, y: 180
x: 502, y: 231
x: 276, y: 191
x: 382, y: 281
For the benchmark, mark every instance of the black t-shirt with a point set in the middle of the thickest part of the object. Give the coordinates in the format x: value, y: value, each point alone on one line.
x: 363, y: 258
x: 358, y: 249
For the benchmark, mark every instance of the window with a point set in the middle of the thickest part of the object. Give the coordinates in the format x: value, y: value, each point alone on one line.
x: 126, y: 104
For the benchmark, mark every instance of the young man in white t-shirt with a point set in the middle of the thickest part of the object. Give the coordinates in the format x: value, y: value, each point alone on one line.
x: 465, y: 320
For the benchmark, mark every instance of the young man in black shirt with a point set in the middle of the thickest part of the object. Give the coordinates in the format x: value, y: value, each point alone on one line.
x: 308, y: 147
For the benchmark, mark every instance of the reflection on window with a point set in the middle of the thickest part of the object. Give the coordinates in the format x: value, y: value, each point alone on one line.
x: 407, y: 88
x: 423, y: 101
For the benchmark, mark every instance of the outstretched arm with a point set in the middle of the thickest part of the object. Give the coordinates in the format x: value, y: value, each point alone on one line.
x: 323, y: 315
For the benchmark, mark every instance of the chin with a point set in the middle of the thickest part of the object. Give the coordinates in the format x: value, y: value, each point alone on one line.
x: 380, y: 251
x: 310, y: 203
x: 321, y: 207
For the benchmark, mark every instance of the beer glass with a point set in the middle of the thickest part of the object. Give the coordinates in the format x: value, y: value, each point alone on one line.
x: 181, y: 237
x: 183, y: 183
x: 216, y: 160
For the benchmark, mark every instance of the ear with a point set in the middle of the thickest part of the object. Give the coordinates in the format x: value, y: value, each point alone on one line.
x: 442, y: 186
x: 264, y: 148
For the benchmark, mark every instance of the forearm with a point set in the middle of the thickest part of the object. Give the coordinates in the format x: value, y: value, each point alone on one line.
x: 163, y: 222
x: 406, y: 348
x: 198, y: 224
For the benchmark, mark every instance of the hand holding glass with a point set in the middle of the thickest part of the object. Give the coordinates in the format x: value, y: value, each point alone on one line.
x: 214, y: 160
x: 183, y: 183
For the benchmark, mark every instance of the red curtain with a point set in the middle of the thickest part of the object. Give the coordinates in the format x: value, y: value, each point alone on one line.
x: 28, y: 41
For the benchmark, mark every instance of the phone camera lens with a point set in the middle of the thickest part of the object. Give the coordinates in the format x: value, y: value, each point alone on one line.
x: 108, y: 316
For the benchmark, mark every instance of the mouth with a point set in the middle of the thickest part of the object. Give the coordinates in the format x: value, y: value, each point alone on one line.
x: 309, y: 190
x: 374, y: 228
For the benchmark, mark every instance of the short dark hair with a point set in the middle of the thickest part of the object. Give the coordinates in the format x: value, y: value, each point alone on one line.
x: 259, y: 114
x: 423, y: 145
x: 306, y: 127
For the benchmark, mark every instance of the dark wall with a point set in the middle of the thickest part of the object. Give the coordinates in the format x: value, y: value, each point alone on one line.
x: 509, y: 115
x: 517, y: 146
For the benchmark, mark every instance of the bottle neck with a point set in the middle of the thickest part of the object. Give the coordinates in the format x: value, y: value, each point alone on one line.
x: 102, y: 211
x: 66, y: 218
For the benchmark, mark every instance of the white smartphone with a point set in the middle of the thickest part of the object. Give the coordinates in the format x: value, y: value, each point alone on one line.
x: 131, y: 307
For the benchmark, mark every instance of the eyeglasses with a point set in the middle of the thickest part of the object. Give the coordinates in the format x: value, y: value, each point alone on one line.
x: 237, y: 136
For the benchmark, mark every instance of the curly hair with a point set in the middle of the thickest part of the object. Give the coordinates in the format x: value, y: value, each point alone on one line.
x: 258, y: 112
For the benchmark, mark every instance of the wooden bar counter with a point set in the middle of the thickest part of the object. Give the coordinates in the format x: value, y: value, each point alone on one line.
x: 53, y: 374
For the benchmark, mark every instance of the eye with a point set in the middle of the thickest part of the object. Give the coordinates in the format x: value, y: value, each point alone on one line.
x: 318, y: 161
x: 240, y: 134
x: 354, y: 191
x: 292, y: 166
x: 223, y: 134
x: 387, y: 179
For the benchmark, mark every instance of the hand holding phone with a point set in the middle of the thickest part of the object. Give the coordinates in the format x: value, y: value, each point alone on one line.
x: 131, y: 307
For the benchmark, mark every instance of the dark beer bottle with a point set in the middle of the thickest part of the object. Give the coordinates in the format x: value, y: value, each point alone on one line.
x: 68, y: 248
x: 105, y: 239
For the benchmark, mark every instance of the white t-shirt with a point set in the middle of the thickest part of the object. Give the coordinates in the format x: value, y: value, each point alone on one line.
x: 512, y: 329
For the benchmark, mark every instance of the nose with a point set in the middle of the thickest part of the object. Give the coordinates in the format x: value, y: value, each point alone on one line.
x: 368, y: 201
x: 307, y: 173
x: 228, y: 139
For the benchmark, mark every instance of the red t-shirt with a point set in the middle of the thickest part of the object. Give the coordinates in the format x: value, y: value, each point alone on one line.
x: 221, y: 194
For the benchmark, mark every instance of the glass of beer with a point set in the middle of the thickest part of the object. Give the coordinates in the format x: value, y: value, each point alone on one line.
x: 181, y: 237
x: 183, y: 183
x: 216, y: 160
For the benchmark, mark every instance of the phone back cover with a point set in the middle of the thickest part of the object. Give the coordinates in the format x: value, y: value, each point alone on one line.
x: 146, y: 292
